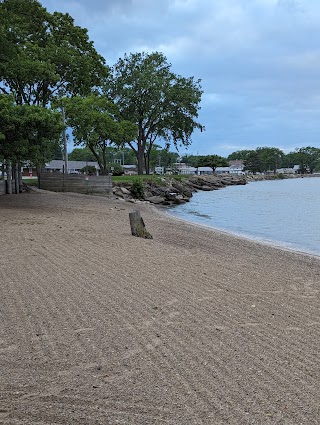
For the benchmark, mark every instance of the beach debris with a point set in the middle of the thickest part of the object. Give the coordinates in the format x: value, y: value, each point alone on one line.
x: 137, y: 225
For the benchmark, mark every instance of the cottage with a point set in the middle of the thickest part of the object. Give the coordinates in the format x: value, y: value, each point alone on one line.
x: 74, y: 167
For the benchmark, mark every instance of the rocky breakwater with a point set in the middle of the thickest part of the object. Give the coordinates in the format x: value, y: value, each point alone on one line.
x: 170, y: 191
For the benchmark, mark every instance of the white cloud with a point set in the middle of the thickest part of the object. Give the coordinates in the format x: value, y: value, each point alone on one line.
x: 259, y: 60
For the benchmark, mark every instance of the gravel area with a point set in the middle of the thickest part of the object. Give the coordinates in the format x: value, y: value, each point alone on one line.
x: 192, y: 327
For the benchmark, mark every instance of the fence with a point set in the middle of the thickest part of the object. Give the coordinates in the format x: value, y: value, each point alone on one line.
x: 90, y: 185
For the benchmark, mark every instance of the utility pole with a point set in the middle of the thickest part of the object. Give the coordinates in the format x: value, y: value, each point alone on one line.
x: 64, y: 136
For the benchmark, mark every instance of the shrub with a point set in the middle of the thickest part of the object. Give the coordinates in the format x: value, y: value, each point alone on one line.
x: 89, y: 169
x: 137, y: 189
x: 116, y: 169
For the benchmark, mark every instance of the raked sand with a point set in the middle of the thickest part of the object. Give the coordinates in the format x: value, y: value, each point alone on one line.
x: 192, y: 327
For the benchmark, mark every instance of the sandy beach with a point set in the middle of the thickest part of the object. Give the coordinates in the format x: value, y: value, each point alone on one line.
x: 192, y: 327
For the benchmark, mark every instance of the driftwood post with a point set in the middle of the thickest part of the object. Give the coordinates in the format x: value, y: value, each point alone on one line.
x: 138, y: 227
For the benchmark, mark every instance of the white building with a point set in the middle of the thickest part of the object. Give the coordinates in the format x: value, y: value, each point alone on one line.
x: 204, y: 171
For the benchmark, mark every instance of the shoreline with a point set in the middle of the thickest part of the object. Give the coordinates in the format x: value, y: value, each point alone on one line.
x: 192, y: 214
x: 261, y: 241
x: 192, y: 327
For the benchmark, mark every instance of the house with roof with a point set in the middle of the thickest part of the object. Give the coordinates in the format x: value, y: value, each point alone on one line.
x: 74, y: 167
x: 201, y: 171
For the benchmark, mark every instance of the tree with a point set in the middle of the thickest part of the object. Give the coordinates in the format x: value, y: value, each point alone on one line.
x: 81, y: 154
x: 253, y: 162
x: 96, y: 122
x: 28, y: 133
x: 308, y: 158
x: 212, y: 161
x: 162, y: 104
x: 271, y: 158
x: 290, y: 160
x: 162, y: 157
x: 240, y: 155
x: 43, y: 55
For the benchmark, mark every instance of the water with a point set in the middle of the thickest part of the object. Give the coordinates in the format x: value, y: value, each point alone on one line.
x: 282, y: 212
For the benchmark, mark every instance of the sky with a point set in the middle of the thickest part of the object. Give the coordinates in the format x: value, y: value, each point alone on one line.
x: 258, y: 61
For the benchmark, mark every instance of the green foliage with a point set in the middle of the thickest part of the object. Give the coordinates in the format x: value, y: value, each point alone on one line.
x: 90, y: 170
x: 271, y: 158
x: 115, y: 169
x: 159, y: 156
x: 81, y: 154
x: 253, y: 162
x: 262, y: 159
x: 31, y: 182
x: 137, y: 188
x: 163, y: 105
x: 43, y: 55
x: 308, y: 158
x: 95, y: 122
x: 212, y: 161
x: 28, y: 132
x: 240, y: 155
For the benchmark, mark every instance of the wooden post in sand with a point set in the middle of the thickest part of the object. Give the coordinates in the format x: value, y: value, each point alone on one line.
x: 137, y: 225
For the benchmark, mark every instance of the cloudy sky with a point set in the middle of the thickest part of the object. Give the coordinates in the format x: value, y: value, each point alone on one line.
x: 259, y: 61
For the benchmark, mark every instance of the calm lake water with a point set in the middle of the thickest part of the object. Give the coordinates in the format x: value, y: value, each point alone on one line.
x: 282, y: 212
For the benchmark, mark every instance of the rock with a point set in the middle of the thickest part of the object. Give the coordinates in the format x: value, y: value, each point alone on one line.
x: 118, y: 192
x: 156, y: 199
x: 206, y: 188
x: 147, y: 194
x: 171, y: 196
x: 125, y: 191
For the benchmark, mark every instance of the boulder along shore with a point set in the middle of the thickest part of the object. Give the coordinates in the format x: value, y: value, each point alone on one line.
x: 166, y: 190
x: 193, y: 326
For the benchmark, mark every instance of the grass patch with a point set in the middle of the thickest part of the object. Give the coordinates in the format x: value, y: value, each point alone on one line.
x: 30, y: 182
x: 146, y: 178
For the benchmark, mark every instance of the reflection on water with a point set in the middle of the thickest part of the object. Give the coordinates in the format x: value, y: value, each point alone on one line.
x: 284, y: 212
x: 198, y: 214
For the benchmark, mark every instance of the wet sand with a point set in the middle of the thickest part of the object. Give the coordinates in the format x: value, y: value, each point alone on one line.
x: 192, y: 327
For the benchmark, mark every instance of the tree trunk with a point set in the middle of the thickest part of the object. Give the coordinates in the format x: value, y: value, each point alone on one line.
x: 137, y: 225
x: 16, y: 178
x: 20, y: 178
x: 141, y: 144
x: 146, y: 167
x: 140, y: 158
x: 9, y: 178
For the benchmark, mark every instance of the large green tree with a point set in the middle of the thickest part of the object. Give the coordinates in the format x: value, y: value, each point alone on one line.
x: 271, y: 158
x: 308, y: 158
x: 28, y: 133
x: 253, y: 162
x: 212, y: 161
x: 43, y: 55
x: 163, y: 105
x: 97, y: 123
x: 162, y: 157
x: 239, y: 155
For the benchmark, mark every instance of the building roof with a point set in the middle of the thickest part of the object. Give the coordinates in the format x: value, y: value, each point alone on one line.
x: 205, y: 169
x: 221, y: 169
x: 57, y: 164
